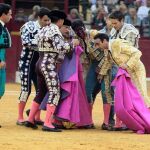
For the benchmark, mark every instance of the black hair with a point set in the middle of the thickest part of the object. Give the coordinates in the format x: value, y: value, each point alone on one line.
x: 132, y: 6
x: 67, y: 22
x: 101, y: 36
x: 77, y: 23
x: 119, y: 1
x: 4, y: 8
x: 56, y: 15
x: 117, y: 15
x: 43, y: 11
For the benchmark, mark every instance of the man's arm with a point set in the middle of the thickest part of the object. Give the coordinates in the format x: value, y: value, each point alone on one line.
x: 28, y: 32
x: 60, y: 44
x: 133, y: 39
x: 25, y: 36
x: 105, y: 64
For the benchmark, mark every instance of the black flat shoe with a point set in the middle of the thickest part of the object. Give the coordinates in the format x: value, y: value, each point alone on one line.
x: 20, y: 123
x: 104, y: 126
x: 30, y: 125
x: 0, y: 126
x: 91, y: 126
x: 38, y: 122
x: 28, y: 112
x: 45, y: 128
x: 119, y: 129
x: 58, y: 126
x: 125, y: 128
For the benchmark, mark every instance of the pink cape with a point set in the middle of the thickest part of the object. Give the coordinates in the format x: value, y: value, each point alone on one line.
x: 129, y: 104
x: 75, y: 107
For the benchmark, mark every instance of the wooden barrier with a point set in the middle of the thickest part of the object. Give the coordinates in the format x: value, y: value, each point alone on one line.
x: 13, y: 55
x: 144, y: 45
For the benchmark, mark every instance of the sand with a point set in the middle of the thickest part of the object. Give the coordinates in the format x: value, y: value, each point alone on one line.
x: 13, y: 137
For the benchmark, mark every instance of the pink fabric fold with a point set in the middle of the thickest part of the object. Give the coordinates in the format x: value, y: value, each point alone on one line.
x: 129, y: 104
x: 75, y: 107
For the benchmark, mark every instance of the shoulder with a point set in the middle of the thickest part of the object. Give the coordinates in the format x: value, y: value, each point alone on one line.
x: 115, y: 44
x: 142, y: 9
x: 116, y: 41
x: 112, y: 32
x: 103, y: 30
x: 53, y: 30
x: 127, y: 18
x: 1, y: 28
x: 128, y: 28
x: 93, y: 32
x: 30, y: 26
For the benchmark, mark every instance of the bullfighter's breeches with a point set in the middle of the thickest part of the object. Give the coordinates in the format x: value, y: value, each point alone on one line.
x: 28, y: 75
x: 47, y: 78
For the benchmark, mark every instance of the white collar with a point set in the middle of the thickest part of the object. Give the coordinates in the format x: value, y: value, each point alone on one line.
x: 37, y: 23
x: 54, y: 25
x: 109, y: 44
x: 2, y: 23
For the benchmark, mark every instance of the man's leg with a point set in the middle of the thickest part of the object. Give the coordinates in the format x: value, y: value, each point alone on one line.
x: 90, y: 86
x: 107, y: 100
x: 52, y: 83
x: 25, y: 68
x: 91, y: 82
x: 41, y: 92
x: 2, y: 83
x: 38, y: 120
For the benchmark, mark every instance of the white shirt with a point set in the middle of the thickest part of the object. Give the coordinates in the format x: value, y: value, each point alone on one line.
x: 2, y: 23
x: 142, y: 12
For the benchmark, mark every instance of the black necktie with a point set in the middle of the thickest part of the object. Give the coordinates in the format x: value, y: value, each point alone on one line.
x: 9, y: 37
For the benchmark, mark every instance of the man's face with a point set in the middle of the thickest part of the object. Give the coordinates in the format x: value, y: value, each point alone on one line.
x: 65, y: 30
x: 81, y: 32
x: 44, y: 21
x: 116, y: 23
x: 108, y: 23
x: 99, y: 44
x: 6, y: 17
x: 132, y: 12
x: 73, y: 15
x: 60, y: 23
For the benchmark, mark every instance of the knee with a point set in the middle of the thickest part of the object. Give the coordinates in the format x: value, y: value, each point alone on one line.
x: 24, y: 96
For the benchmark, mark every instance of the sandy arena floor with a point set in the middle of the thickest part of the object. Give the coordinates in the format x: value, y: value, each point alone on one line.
x: 13, y: 137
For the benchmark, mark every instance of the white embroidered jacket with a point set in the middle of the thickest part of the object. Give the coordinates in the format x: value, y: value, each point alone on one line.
x: 50, y: 39
x: 127, y: 32
x: 29, y: 32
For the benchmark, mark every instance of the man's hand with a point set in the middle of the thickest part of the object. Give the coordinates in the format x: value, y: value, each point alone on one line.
x: 123, y: 66
x: 106, y: 50
x: 99, y: 78
x: 75, y: 42
x: 2, y: 64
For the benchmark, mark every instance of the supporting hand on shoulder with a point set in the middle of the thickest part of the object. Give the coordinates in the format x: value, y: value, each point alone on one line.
x: 2, y: 64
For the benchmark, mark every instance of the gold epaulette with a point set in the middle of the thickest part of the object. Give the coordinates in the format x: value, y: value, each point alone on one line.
x: 97, y: 54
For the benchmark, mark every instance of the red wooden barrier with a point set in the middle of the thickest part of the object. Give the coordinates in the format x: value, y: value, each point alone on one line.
x: 13, y: 54
x: 144, y: 45
x: 12, y: 57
